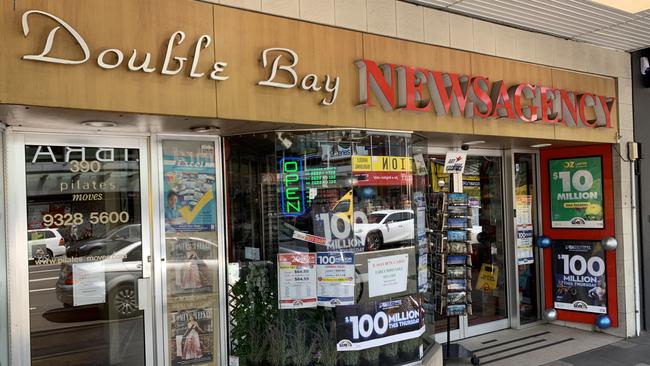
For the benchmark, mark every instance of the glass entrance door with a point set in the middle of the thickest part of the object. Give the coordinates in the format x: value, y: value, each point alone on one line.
x: 482, y: 182
x: 85, y: 255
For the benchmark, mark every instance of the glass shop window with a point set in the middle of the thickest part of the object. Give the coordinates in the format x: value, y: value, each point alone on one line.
x: 326, y: 247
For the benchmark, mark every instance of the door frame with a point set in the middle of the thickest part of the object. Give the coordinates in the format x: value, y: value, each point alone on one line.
x: 464, y: 329
x: 539, y: 270
x: 18, y: 267
x: 159, y: 251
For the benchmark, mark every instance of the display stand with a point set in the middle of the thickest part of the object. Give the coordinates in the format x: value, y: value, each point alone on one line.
x: 451, y: 259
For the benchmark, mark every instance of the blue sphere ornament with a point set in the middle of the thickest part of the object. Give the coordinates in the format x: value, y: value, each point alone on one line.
x: 603, y: 321
x: 543, y: 242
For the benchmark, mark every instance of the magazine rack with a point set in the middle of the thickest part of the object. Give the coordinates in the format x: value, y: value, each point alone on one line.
x: 452, y: 262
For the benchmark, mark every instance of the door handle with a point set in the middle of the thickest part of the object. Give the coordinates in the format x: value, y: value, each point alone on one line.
x: 144, y: 294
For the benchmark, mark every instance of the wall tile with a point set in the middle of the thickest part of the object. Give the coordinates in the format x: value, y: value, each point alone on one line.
x: 410, y: 21
x: 461, y: 32
x: 436, y: 27
x: 623, y: 65
x: 484, y: 37
x: 381, y: 17
x: 524, y: 45
x: 318, y: 11
x: 285, y: 8
x: 504, y: 41
x: 544, y: 49
x: 351, y: 14
x: 244, y: 4
x: 625, y: 90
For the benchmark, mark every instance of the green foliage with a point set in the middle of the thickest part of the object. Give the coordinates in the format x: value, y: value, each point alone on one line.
x: 277, y: 335
x: 350, y: 358
x: 371, y: 354
x: 255, y: 308
x: 410, y: 346
x: 326, y: 343
x: 391, y: 350
x: 300, y: 346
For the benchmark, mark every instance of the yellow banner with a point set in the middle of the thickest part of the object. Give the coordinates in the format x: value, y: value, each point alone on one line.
x: 382, y: 164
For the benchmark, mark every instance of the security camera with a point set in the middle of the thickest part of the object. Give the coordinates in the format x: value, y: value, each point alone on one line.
x: 645, y: 66
x: 464, y: 147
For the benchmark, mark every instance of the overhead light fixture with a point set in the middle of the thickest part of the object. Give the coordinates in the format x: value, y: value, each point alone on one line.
x: 537, y: 146
x: 476, y: 142
x: 206, y: 129
x: 629, y: 6
x: 99, y: 124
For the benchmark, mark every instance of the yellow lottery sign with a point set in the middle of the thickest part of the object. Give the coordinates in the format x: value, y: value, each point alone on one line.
x: 382, y: 164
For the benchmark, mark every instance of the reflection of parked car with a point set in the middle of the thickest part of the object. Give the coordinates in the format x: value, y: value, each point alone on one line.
x: 385, y: 227
x: 122, y: 269
x: 45, y: 243
x: 113, y: 240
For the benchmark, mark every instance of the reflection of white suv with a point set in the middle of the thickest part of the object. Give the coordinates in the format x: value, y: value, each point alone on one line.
x: 45, y: 243
x: 386, y: 226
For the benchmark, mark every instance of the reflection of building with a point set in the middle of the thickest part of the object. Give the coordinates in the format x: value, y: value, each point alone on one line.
x: 100, y: 134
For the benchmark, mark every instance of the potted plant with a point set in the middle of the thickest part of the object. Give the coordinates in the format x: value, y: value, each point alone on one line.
x: 391, y: 353
x: 300, y: 346
x: 371, y: 355
x: 409, y: 349
x: 257, y: 354
x: 326, y: 343
x: 278, y: 341
x: 350, y: 358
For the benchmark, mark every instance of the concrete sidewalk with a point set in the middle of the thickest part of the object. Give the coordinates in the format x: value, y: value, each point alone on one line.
x: 629, y: 352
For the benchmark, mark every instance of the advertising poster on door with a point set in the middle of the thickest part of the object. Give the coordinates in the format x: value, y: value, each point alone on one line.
x: 297, y: 285
x: 378, y: 323
x: 579, y: 276
x: 192, y: 336
x: 189, y: 185
x: 576, y: 187
x: 191, y: 266
x: 335, y: 272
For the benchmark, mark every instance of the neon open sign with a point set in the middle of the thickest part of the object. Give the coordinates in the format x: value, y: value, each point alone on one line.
x: 293, y: 186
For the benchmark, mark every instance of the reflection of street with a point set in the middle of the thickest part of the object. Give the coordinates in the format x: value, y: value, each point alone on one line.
x: 74, y: 335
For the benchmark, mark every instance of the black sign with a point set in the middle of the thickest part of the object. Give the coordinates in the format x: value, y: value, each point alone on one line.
x: 378, y: 322
x: 579, y: 276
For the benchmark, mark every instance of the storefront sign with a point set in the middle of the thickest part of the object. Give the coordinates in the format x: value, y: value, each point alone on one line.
x: 382, y: 179
x: 308, y: 82
x: 112, y: 58
x: 387, y: 275
x: 576, y: 187
x: 579, y: 278
x: 405, y: 88
x: 297, y: 280
x: 377, y: 323
x: 455, y: 162
x: 335, y: 278
x: 293, y: 186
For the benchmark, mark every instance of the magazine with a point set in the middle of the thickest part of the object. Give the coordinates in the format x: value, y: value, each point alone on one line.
x: 191, y: 336
x: 191, y: 267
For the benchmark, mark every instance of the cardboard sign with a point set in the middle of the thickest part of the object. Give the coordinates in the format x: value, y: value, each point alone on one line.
x: 487, y: 277
x: 455, y: 162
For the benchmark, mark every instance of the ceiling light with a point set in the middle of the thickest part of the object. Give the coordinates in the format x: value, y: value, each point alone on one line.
x: 470, y: 143
x: 630, y: 6
x: 537, y: 146
x: 206, y: 129
x: 102, y: 124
